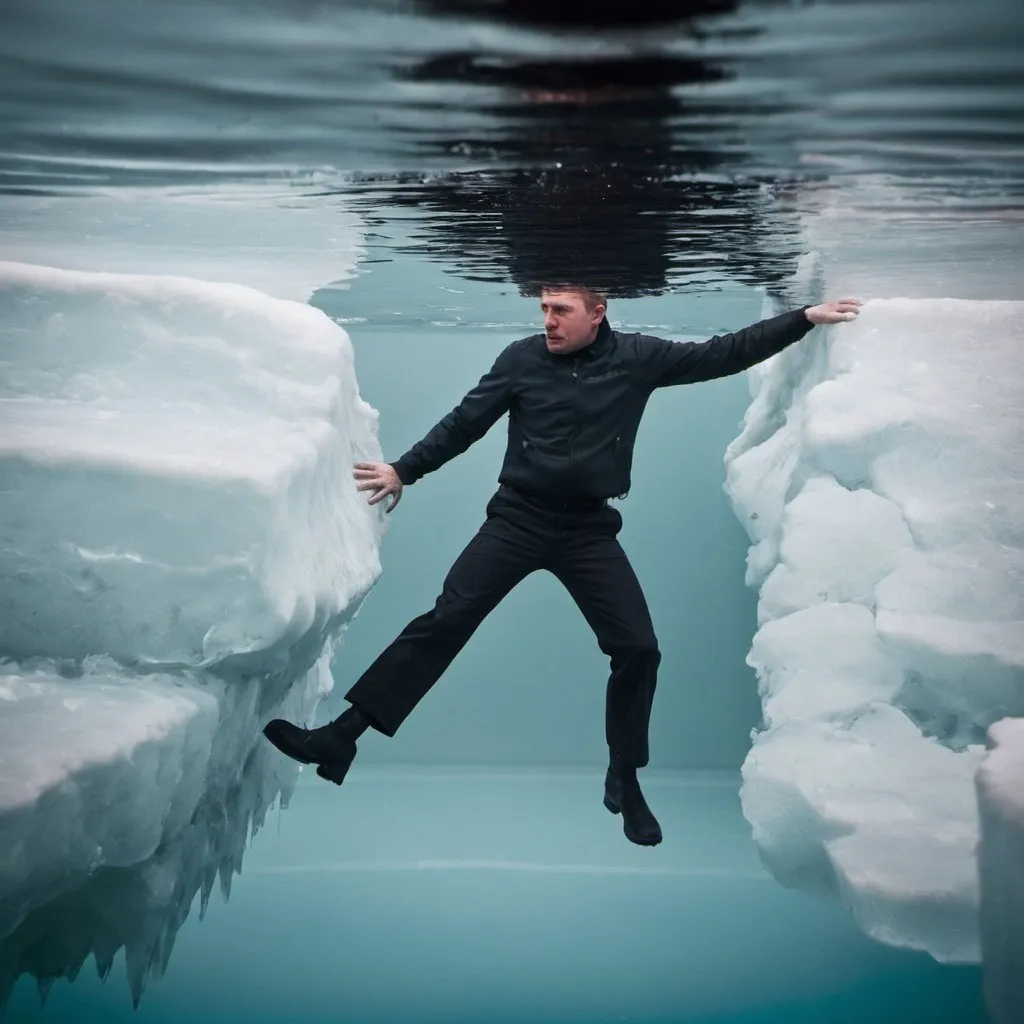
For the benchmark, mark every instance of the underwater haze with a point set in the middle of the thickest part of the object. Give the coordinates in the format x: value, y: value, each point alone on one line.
x: 247, y: 244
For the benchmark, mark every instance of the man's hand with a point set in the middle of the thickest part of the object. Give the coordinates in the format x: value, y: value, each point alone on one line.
x: 833, y: 312
x: 380, y: 478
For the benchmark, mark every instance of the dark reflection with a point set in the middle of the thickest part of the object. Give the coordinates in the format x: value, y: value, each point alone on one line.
x: 571, y: 13
x: 628, y: 237
x: 623, y: 176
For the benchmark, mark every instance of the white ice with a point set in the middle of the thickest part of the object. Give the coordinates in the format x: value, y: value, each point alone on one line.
x: 175, y: 464
x: 181, y: 543
x: 121, y: 797
x: 1000, y: 786
x: 879, y: 476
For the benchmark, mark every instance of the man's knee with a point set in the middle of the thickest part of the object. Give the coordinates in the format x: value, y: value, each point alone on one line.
x: 454, y: 617
x: 641, y: 650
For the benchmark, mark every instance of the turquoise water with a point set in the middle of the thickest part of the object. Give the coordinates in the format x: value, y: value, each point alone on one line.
x: 467, y: 871
x: 419, y: 894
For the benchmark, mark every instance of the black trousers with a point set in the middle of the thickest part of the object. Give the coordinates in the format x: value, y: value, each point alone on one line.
x: 524, y: 533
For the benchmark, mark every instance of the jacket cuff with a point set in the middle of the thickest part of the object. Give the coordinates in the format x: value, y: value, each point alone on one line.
x: 405, y: 474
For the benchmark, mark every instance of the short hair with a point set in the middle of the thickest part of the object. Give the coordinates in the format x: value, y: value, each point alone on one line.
x: 591, y: 297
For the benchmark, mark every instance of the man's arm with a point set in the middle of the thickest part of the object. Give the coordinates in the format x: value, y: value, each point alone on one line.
x: 686, y: 362
x: 466, y: 423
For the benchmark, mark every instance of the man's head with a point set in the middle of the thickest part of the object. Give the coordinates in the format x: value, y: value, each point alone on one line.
x: 572, y: 315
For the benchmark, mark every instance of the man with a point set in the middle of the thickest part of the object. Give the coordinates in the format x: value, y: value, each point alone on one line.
x: 575, y: 396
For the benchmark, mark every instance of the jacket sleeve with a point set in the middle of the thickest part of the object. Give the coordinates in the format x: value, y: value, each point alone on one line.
x: 686, y: 362
x: 466, y: 423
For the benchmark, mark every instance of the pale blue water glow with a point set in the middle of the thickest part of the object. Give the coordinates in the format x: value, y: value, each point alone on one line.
x: 489, y: 896
x: 501, y: 890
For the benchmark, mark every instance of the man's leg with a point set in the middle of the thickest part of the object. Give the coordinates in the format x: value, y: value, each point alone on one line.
x: 501, y: 554
x: 592, y: 566
x: 495, y: 560
x: 596, y: 571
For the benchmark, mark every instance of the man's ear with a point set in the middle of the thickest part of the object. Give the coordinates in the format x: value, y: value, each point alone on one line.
x: 599, y: 312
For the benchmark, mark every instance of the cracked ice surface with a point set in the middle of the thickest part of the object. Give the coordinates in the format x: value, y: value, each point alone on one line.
x: 181, y: 545
x: 879, y: 476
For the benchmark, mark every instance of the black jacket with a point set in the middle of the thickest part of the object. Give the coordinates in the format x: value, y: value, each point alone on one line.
x: 573, y: 419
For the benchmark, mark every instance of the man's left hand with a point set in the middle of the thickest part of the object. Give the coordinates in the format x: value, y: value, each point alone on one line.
x: 837, y: 312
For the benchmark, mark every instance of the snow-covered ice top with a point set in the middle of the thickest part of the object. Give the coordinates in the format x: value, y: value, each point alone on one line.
x: 175, y: 465
x: 879, y: 475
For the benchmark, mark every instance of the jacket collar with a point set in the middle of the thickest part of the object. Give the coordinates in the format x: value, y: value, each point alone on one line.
x: 603, y: 340
x: 600, y: 344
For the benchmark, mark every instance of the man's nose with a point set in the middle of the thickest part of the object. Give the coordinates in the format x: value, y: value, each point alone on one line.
x: 550, y: 323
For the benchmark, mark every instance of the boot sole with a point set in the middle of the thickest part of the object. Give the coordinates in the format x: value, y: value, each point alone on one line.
x: 631, y: 836
x: 333, y: 771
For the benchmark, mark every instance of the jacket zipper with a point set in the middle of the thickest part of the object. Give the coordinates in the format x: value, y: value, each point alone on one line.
x: 576, y: 417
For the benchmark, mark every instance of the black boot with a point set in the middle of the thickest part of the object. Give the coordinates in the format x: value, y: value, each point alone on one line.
x: 622, y: 793
x: 329, y: 747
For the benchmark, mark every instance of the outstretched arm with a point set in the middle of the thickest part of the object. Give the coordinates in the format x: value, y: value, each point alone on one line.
x: 686, y: 362
x: 466, y: 423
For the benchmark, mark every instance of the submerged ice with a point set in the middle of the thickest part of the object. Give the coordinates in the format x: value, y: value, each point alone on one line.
x: 180, y: 547
x: 878, y: 475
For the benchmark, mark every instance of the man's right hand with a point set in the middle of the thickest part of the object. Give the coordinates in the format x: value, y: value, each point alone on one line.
x: 380, y: 478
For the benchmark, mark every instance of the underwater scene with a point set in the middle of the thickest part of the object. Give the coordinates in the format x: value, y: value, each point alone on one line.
x: 511, y: 512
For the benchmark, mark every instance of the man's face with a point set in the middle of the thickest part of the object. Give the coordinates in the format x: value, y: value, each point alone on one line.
x: 568, y: 324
